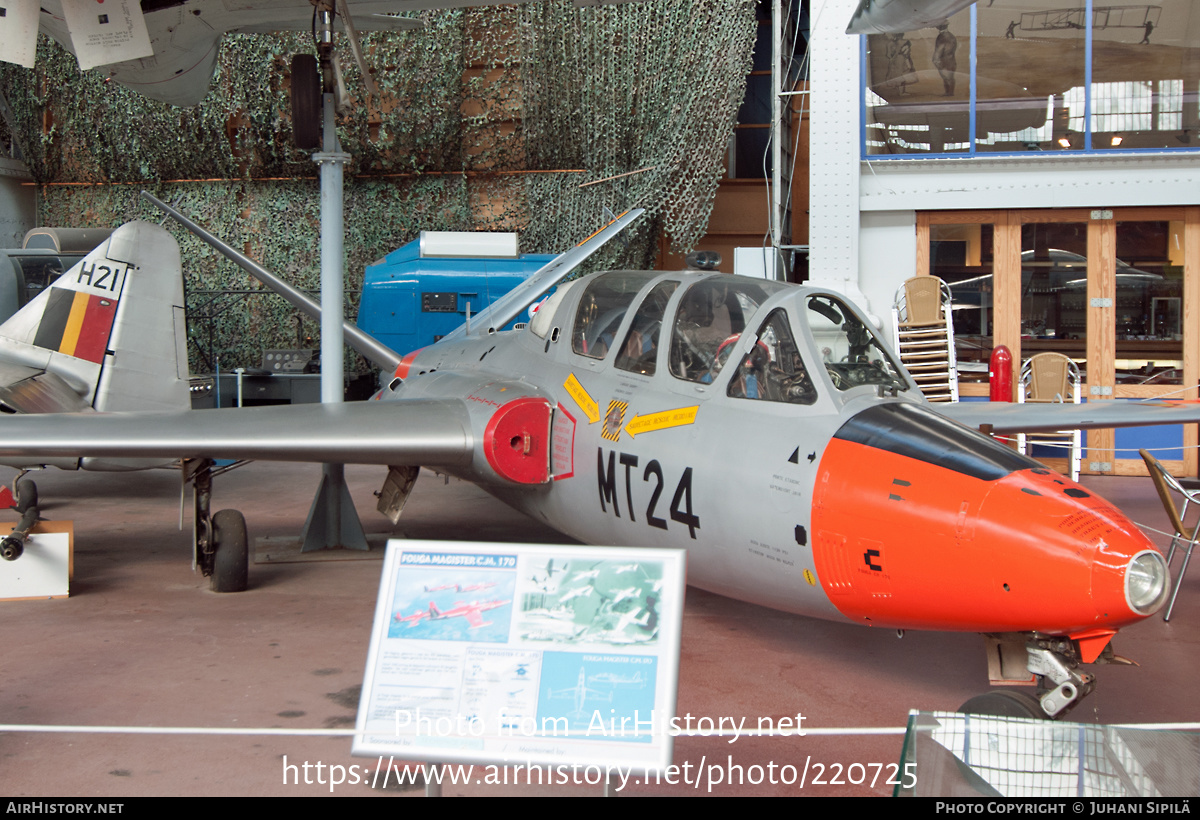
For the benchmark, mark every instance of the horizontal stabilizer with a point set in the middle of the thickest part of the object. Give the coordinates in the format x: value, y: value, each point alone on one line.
x: 41, y: 393
x: 361, y: 21
x: 427, y: 432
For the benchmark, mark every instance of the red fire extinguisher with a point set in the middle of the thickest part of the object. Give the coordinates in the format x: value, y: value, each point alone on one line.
x: 1000, y: 374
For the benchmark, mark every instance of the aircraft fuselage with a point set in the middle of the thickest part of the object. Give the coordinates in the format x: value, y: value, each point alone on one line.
x: 839, y: 495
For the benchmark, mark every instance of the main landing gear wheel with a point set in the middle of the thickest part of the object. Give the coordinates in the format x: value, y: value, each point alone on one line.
x: 1004, y: 703
x: 306, y: 102
x: 231, y: 558
x: 27, y: 494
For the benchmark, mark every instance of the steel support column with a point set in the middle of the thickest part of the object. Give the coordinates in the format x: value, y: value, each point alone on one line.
x: 332, y: 519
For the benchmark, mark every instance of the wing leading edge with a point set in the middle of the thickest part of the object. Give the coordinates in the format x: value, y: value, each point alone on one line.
x: 1034, y: 418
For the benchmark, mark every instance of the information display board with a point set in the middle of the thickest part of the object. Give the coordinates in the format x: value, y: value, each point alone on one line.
x: 524, y: 654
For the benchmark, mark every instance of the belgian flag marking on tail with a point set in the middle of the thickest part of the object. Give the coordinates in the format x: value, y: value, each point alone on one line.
x: 79, y: 314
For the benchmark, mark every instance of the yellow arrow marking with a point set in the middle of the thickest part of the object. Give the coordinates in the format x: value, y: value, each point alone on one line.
x: 662, y: 420
x: 586, y: 403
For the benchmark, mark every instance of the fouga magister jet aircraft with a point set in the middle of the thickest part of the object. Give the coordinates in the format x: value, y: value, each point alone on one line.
x: 763, y: 427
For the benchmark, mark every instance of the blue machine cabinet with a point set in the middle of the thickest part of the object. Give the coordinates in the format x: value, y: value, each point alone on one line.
x: 422, y: 291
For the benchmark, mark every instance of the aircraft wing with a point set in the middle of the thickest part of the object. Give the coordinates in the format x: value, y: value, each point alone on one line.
x: 418, y: 432
x: 167, y: 50
x: 1006, y: 417
x: 498, y: 314
x: 264, y: 16
x: 890, y: 16
x: 506, y: 308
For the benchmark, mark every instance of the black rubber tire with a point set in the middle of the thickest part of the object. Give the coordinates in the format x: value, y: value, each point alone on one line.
x: 27, y: 494
x: 306, y: 102
x: 231, y: 561
x: 997, y: 703
x: 1005, y: 703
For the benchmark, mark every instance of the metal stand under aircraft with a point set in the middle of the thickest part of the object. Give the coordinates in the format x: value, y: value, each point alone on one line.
x: 332, y: 519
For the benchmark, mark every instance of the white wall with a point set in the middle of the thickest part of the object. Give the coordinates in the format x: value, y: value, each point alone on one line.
x: 833, y: 226
x: 1041, y: 181
x: 887, y: 257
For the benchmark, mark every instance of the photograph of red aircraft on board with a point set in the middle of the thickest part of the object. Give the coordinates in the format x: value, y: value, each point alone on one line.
x: 434, y: 604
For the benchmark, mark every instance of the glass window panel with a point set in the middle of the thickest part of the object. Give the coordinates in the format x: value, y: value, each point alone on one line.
x: 756, y: 105
x: 851, y: 352
x: 751, y: 159
x: 772, y: 369
x: 918, y: 90
x: 40, y: 271
x: 1054, y: 271
x: 1031, y: 91
x: 1149, y: 303
x: 1145, y: 75
x: 639, y: 352
x: 961, y: 256
x: 710, y: 313
x: 1030, y: 77
x: 601, y: 309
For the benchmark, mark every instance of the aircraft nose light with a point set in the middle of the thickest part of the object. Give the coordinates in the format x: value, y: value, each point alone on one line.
x: 1146, y: 582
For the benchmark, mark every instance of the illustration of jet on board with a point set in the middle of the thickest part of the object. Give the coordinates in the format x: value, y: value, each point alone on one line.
x: 634, y: 680
x: 581, y: 693
x: 472, y: 612
x: 624, y: 594
x: 577, y: 592
x: 461, y: 588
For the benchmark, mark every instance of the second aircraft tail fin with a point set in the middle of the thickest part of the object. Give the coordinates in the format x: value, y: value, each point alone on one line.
x: 108, y: 334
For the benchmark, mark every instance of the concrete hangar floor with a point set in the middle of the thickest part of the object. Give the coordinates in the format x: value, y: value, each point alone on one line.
x: 142, y: 642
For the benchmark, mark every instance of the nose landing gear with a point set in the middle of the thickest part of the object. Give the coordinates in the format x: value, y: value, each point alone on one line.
x: 1055, y: 662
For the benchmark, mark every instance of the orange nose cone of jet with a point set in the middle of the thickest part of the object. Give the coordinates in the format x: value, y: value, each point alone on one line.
x: 920, y: 523
x: 1064, y: 559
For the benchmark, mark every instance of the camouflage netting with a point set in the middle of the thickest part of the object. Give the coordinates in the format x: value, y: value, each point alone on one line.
x: 492, y: 120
